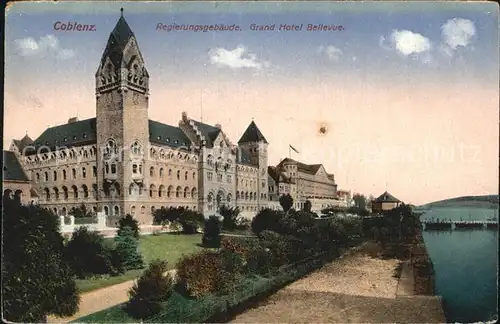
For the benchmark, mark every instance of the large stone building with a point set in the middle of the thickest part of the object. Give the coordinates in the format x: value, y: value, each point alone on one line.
x: 303, y: 182
x: 122, y: 162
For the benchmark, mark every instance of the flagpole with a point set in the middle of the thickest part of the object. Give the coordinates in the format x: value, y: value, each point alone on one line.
x: 289, y: 151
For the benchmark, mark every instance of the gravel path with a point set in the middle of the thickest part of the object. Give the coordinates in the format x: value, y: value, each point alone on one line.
x: 100, y: 299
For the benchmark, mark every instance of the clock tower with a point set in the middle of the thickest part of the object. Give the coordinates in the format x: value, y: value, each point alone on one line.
x: 122, y: 91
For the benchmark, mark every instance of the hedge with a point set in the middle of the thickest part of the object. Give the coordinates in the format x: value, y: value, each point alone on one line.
x: 181, y: 309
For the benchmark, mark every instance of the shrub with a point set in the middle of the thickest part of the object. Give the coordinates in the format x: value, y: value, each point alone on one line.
x: 256, y: 259
x: 82, y: 212
x: 286, y: 202
x: 211, y: 233
x: 307, y: 206
x: 191, y: 221
x: 35, y: 279
x: 243, y: 223
x: 175, y: 226
x: 88, y: 254
x: 229, y: 217
x: 208, y: 272
x: 267, y: 219
x: 281, y: 247
x: 130, y: 222
x: 152, y: 288
x: 127, y: 250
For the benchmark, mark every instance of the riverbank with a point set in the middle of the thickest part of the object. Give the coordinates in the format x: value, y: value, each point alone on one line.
x: 359, y: 287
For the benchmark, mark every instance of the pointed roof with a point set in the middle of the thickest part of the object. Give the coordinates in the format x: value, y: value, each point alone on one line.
x: 387, y: 197
x: 22, y: 143
x: 117, y: 41
x: 12, y: 169
x: 252, y: 134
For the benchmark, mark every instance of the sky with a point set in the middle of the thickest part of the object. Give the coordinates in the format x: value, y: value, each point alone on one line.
x: 407, y: 92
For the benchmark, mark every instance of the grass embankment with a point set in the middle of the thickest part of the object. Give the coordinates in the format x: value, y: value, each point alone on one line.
x: 181, y: 309
x: 166, y: 246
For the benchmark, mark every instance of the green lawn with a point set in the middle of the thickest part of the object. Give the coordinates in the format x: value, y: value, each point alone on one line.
x: 166, y: 246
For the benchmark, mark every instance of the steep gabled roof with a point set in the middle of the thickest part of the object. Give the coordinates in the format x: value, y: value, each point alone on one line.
x: 164, y: 134
x: 307, y: 168
x: 386, y: 197
x: 117, y: 41
x: 22, y: 143
x: 277, y: 175
x: 67, y: 135
x: 12, y: 169
x: 252, y: 134
x: 208, y: 131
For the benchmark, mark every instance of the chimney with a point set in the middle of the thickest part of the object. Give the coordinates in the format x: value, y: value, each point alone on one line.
x: 72, y: 120
x: 218, y: 126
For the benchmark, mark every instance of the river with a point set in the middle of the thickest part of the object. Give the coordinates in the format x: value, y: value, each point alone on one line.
x: 465, y: 264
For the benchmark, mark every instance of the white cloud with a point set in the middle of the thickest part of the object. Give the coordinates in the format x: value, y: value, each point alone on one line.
x: 48, y: 44
x: 408, y: 42
x: 332, y: 52
x: 236, y: 58
x: 458, y: 32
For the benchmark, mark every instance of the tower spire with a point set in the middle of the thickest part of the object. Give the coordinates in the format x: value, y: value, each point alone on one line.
x: 121, y: 12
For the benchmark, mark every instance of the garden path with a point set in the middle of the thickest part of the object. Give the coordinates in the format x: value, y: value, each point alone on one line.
x: 96, y: 300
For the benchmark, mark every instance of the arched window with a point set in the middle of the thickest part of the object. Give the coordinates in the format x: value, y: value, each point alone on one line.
x: 136, y: 148
x: 84, y: 172
x: 186, y: 175
x: 55, y: 175
x: 152, y: 172
x: 64, y: 174
x: 46, y: 174
x: 210, y: 201
x: 94, y: 171
x: 65, y: 193
x: 63, y: 211
x: 132, y: 210
x: 75, y: 192
x: 178, y: 175
x: 94, y: 190
x: 210, y: 160
x: 110, y: 147
x: 161, y: 191
x: 152, y: 190
x: 143, y: 209
x: 153, y: 210
x: 133, y: 189
x: 106, y: 210
x: 237, y: 195
x: 47, y: 194
x: 56, y: 193
x: 117, y: 211
x: 38, y: 177
x: 134, y: 168
x: 186, y: 192
x: 178, y: 192
x: 194, y: 175
x: 85, y: 191
x: 73, y: 172
x: 106, y: 167
x: 246, y: 195
x: 113, y: 168
x: 161, y: 172
x: 194, y: 193
x: 229, y: 198
x: 55, y: 210
x: 169, y: 172
x: 170, y: 191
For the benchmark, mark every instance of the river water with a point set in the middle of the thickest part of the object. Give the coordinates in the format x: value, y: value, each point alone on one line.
x: 465, y: 265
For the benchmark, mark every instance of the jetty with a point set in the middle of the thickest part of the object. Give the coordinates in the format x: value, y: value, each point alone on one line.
x: 460, y: 224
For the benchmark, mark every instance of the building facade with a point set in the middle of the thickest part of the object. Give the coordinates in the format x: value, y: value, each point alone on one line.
x: 303, y: 182
x: 385, y: 202
x: 121, y: 162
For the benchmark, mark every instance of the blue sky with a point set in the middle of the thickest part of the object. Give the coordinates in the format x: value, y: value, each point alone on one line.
x: 289, y: 54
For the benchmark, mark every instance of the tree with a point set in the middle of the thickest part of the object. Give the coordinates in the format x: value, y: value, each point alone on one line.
x: 307, y: 206
x: 127, y: 250
x: 164, y: 216
x: 131, y: 223
x: 211, y: 232
x: 286, y: 202
x: 190, y: 221
x: 81, y: 212
x: 152, y: 288
x: 359, y: 201
x: 35, y: 279
x: 230, y: 217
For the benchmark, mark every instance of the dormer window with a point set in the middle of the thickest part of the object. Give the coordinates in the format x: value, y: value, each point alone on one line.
x: 176, y: 141
x: 65, y: 139
x: 74, y: 137
x: 84, y: 135
x: 159, y: 137
x: 168, y: 139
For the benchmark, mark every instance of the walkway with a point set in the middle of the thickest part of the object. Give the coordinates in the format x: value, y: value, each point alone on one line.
x: 96, y: 300
x: 354, y: 289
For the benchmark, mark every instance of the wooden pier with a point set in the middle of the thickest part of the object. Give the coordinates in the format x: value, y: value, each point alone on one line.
x: 451, y: 225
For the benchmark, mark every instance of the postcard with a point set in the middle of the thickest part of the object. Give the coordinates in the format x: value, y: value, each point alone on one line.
x: 251, y: 161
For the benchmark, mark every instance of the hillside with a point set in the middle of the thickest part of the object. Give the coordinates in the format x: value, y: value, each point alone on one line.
x: 486, y: 201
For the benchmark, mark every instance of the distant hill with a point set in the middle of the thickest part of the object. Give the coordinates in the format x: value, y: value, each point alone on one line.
x: 487, y: 201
